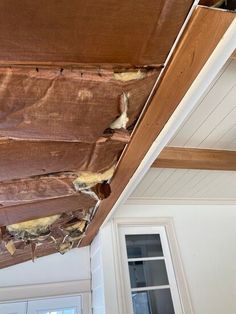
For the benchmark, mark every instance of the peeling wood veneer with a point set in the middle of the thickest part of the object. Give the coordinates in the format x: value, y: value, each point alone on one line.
x: 33, y: 103
x: 36, y: 189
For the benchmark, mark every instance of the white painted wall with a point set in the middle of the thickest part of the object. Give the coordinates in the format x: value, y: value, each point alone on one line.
x: 74, y: 265
x: 206, y: 235
x: 51, y: 275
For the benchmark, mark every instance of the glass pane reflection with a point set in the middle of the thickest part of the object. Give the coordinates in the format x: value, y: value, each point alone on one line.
x: 61, y: 311
x: 143, y: 245
x: 153, y: 302
x: 148, y: 273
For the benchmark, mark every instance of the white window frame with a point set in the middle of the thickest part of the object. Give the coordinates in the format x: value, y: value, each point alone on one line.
x: 180, y: 292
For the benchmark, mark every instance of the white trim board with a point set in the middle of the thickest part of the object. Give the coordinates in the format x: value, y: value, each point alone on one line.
x: 178, y: 201
x: 209, y: 72
x: 18, y: 293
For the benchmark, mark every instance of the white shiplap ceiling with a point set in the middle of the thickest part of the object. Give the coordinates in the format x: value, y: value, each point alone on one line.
x: 211, y: 125
x: 187, y: 184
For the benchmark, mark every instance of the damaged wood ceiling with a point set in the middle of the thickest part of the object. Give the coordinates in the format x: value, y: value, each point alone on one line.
x: 74, y: 79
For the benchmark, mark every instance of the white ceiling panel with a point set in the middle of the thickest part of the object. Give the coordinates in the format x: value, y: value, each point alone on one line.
x: 187, y: 184
x: 213, y: 122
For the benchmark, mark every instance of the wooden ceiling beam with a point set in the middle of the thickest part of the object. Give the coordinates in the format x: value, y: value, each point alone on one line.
x: 234, y: 55
x: 195, y: 158
x: 203, y: 32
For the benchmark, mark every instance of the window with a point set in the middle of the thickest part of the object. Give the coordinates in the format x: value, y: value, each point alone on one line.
x: 151, y: 286
x: 58, y: 305
x: 67, y: 305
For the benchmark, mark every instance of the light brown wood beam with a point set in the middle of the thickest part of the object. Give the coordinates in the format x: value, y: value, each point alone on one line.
x: 195, y: 158
x: 204, y: 31
x: 234, y: 55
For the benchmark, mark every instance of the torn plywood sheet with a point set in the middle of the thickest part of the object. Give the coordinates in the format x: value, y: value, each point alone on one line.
x: 61, y: 232
x: 70, y: 105
x: 53, y: 186
x: 22, y: 159
x: 131, y: 32
x: 24, y: 253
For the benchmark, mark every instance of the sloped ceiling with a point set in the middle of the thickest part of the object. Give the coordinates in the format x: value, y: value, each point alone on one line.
x: 75, y: 77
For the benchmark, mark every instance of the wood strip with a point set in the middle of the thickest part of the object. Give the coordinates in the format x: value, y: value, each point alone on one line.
x: 19, y: 213
x: 203, y: 32
x: 195, y: 158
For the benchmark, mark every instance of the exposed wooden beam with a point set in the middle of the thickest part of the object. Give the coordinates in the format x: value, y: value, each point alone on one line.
x: 195, y: 158
x: 204, y: 31
x: 234, y: 55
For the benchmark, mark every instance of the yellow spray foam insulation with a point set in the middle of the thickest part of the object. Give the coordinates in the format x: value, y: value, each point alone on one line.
x: 87, y: 179
x: 77, y: 226
x: 65, y: 247
x: 10, y: 246
x: 122, y: 120
x: 33, y: 226
x: 129, y: 76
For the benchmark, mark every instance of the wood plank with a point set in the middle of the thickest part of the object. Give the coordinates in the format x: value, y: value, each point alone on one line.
x: 22, y: 159
x: 195, y: 158
x: 204, y: 31
x: 75, y: 31
x: 38, y: 209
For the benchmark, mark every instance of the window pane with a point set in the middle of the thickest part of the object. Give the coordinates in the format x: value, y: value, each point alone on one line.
x: 148, y: 273
x: 69, y: 311
x: 153, y: 302
x: 143, y: 245
x: 61, y: 311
